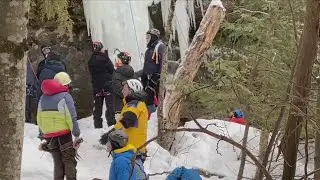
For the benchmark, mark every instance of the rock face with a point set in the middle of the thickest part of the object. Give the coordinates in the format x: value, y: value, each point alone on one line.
x: 75, y: 53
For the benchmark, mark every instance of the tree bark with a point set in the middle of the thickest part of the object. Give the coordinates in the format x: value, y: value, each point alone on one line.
x: 264, y: 136
x: 164, y: 70
x: 243, y: 152
x: 13, y: 34
x: 301, y: 87
x: 187, y: 70
x: 317, y: 134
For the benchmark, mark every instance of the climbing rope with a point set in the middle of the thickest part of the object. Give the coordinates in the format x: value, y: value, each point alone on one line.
x: 135, y: 31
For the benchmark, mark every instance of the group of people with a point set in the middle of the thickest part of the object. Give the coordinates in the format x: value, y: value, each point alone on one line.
x: 133, y: 96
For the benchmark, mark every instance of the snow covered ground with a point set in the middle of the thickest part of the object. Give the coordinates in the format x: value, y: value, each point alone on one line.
x: 191, y: 150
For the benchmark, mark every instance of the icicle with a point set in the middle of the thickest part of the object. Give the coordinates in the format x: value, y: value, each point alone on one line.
x: 200, y: 3
x: 191, y: 12
x: 182, y: 22
x: 112, y: 23
x: 165, y: 6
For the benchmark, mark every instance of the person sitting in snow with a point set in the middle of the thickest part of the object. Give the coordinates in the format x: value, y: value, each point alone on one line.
x: 101, y: 70
x: 133, y: 121
x: 122, y: 153
x: 237, y: 116
x: 57, y: 120
x: 122, y: 73
x: 182, y: 173
x: 152, y: 68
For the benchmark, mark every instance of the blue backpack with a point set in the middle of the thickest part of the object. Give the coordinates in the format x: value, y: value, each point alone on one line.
x: 182, y: 173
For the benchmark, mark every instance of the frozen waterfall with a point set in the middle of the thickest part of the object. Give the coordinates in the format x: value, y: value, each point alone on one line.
x: 122, y: 24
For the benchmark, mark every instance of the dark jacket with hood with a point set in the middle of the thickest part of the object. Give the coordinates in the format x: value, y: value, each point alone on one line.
x: 101, y: 70
x: 50, y: 67
x: 121, y: 74
x: 151, y: 64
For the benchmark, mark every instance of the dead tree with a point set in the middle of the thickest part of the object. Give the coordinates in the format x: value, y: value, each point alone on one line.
x: 187, y: 70
x: 301, y: 88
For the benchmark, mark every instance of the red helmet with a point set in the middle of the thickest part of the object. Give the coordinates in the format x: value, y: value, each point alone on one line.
x: 124, y: 57
x: 97, y: 46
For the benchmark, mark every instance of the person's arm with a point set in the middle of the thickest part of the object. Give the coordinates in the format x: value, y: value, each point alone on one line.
x: 117, y: 83
x: 71, y: 115
x: 129, y: 117
x: 109, y: 66
x: 161, y: 54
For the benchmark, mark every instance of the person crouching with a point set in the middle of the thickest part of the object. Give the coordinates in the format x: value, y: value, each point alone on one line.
x: 122, y: 154
x: 57, y: 120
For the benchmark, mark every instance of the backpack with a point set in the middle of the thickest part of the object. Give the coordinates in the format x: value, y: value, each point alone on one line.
x: 182, y: 173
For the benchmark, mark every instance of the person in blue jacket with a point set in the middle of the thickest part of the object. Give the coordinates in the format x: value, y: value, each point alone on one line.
x: 182, y: 173
x: 122, y: 154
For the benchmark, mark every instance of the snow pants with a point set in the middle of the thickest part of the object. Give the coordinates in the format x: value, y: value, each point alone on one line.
x: 97, y: 110
x: 151, y: 85
x: 64, y: 157
x: 31, y: 109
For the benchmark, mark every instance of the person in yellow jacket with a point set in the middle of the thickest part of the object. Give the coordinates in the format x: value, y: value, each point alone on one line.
x: 133, y: 120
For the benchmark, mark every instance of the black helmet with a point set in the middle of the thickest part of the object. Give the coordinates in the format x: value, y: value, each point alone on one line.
x: 124, y: 57
x: 97, y: 46
x: 155, y: 32
x: 118, y: 139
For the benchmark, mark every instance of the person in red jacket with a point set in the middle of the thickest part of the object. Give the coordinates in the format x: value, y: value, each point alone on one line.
x: 238, y: 117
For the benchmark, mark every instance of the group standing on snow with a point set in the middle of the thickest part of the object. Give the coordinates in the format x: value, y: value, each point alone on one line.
x: 50, y: 105
x: 130, y: 98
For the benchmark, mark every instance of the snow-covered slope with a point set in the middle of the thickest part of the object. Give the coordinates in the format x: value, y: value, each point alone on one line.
x: 191, y: 150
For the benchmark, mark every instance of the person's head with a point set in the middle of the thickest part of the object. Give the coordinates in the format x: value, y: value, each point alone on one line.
x: 45, y: 49
x: 97, y: 46
x: 238, y: 113
x: 152, y: 35
x: 123, y: 58
x: 130, y: 86
x: 63, y: 78
x: 116, y: 139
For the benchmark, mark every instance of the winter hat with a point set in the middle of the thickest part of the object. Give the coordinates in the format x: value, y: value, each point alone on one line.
x: 238, y: 113
x: 118, y: 139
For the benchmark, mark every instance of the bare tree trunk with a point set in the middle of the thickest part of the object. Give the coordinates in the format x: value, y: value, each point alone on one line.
x: 164, y: 71
x: 317, y: 133
x: 301, y: 87
x: 264, y: 136
x: 187, y: 70
x: 243, y: 152
x: 13, y: 34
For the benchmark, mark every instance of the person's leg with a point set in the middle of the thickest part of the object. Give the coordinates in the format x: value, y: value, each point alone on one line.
x: 28, y: 109
x: 110, y: 110
x: 70, y: 163
x: 144, y: 80
x: 97, y: 111
x: 58, y: 167
x: 68, y: 156
x: 118, y: 103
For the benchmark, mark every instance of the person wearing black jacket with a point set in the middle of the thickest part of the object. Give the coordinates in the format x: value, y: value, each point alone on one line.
x: 101, y: 70
x: 122, y: 73
x: 152, y: 68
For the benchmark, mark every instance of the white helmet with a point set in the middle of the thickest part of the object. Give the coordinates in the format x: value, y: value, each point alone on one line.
x: 135, y: 85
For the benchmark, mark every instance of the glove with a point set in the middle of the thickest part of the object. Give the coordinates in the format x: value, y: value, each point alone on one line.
x: 77, y: 141
x: 104, y: 138
x: 43, y: 146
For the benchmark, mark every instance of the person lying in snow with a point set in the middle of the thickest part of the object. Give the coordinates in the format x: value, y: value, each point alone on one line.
x: 238, y: 117
x: 182, y: 173
x: 57, y: 120
x: 122, y: 154
x: 133, y: 121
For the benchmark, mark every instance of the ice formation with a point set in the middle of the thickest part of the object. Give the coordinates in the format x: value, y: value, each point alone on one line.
x: 122, y: 24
